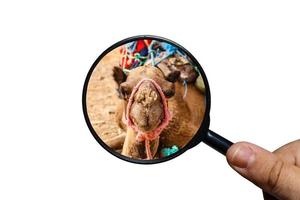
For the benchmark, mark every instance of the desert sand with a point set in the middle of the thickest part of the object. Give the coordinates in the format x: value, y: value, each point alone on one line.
x: 102, y: 97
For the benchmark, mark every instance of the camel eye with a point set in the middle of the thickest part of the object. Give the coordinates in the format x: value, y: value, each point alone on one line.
x: 169, y: 92
x: 125, y: 90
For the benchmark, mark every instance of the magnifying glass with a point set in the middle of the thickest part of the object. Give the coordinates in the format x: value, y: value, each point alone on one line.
x: 146, y: 99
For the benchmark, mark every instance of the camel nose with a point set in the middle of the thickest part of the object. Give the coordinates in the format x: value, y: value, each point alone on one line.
x: 147, y: 110
x: 147, y: 94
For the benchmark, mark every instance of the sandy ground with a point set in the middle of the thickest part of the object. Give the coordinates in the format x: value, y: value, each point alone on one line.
x: 102, y: 97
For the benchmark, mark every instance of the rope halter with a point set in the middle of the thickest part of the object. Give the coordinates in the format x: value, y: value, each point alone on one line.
x: 154, y: 134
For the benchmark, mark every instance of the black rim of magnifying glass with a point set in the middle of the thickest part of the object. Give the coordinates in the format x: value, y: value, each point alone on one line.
x: 198, y: 137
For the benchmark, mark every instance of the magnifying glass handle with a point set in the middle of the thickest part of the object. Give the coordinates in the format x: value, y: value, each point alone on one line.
x: 217, y: 142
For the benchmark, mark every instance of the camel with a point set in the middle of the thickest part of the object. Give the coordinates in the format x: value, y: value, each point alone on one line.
x: 156, y: 112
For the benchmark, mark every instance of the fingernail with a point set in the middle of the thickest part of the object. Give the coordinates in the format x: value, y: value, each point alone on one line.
x: 241, y: 156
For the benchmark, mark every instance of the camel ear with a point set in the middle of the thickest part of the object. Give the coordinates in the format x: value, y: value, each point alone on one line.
x: 171, y: 73
x: 120, y: 77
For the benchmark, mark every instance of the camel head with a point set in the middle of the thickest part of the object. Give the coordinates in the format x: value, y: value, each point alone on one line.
x: 145, y: 90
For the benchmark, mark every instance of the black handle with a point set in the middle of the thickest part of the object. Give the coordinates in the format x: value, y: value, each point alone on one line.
x: 217, y: 142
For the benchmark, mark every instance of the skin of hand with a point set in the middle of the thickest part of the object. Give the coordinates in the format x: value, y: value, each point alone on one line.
x: 277, y: 173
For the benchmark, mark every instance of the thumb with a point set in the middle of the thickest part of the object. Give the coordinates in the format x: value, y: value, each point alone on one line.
x: 265, y: 169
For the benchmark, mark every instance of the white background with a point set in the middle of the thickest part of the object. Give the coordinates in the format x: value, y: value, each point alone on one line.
x: 249, y: 51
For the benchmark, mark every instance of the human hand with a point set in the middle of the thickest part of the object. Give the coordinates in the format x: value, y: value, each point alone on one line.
x: 277, y: 173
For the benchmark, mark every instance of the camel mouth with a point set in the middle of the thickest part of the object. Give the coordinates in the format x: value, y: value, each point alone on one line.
x: 147, y: 107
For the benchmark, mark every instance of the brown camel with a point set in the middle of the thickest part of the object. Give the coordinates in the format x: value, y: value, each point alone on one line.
x: 145, y: 89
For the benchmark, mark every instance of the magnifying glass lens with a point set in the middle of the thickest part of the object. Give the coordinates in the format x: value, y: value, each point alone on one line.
x: 145, y: 99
